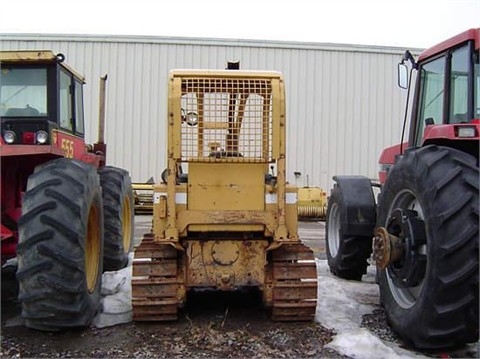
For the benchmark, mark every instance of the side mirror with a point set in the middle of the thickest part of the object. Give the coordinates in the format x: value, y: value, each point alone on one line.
x: 402, y: 76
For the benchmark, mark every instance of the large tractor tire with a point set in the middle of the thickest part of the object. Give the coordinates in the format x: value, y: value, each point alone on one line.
x: 430, y: 200
x: 60, y: 247
x: 118, y: 210
x: 347, y: 255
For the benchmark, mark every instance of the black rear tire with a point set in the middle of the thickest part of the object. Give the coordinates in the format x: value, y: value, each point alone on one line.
x: 118, y: 210
x: 441, y: 309
x: 60, y: 247
x: 347, y: 255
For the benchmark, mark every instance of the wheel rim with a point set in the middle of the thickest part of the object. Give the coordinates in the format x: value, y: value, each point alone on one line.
x: 92, y: 249
x: 406, y: 297
x: 333, y: 230
x: 127, y: 224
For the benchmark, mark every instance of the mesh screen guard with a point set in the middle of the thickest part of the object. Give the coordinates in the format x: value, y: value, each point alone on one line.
x: 226, y: 120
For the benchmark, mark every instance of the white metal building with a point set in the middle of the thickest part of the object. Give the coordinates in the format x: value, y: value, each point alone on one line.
x: 343, y: 103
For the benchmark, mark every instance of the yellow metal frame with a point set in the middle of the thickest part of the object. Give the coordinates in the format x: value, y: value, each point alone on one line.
x: 226, y: 193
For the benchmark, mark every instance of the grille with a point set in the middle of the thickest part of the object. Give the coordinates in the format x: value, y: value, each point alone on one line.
x: 227, y: 120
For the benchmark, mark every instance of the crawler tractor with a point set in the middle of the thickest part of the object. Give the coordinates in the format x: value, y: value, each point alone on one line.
x: 425, y: 226
x: 65, y: 215
x: 224, y: 218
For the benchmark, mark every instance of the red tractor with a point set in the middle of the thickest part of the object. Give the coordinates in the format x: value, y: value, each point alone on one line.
x: 424, y: 227
x: 65, y: 215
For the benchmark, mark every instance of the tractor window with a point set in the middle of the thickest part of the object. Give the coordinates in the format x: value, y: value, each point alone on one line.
x: 23, y: 92
x: 79, y: 119
x: 459, y: 86
x: 432, y: 77
x: 65, y: 101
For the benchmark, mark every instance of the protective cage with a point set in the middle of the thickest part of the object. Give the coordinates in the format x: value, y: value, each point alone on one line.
x: 228, y: 120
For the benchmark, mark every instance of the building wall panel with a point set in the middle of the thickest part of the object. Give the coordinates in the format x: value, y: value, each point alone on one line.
x: 343, y: 105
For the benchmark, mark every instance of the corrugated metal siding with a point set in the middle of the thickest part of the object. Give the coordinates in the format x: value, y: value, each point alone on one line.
x: 343, y: 104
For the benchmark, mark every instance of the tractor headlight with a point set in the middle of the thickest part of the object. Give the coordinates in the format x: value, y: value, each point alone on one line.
x: 466, y: 131
x: 9, y: 137
x: 41, y: 137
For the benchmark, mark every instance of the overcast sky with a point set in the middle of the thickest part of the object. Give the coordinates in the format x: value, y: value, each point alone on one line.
x: 407, y: 23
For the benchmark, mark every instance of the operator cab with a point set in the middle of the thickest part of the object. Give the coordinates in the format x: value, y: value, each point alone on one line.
x: 39, y: 93
x: 446, y: 110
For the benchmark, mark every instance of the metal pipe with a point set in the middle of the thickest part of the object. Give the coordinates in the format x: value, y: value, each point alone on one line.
x: 101, y: 110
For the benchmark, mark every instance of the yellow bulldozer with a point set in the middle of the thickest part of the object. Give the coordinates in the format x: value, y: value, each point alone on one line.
x: 224, y: 216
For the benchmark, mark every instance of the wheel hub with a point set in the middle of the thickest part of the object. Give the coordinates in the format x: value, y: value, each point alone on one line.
x: 398, y: 247
x: 387, y: 248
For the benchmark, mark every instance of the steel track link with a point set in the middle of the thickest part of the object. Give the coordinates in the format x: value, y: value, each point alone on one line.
x: 294, y: 275
x: 154, y: 281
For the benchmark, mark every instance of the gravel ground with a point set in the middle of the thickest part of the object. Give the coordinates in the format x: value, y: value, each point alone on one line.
x: 217, y: 326
x: 213, y: 325
x: 376, y: 323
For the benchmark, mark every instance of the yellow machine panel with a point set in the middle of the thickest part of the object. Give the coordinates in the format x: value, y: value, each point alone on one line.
x: 225, y: 187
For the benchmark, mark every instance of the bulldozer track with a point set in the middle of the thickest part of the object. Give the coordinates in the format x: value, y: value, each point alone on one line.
x: 294, y: 282
x: 155, y: 281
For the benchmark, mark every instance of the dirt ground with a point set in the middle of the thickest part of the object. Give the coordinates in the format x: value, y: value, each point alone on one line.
x: 212, y: 325
x: 219, y: 326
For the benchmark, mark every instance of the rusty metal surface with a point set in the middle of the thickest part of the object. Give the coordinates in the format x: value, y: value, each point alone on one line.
x: 225, y: 264
x: 157, y: 286
x: 387, y: 248
x: 293, y: 283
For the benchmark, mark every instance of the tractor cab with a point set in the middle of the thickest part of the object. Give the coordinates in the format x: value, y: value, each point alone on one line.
x: 446, y: 105
x: 39, y: 94
x: 446, y: 108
